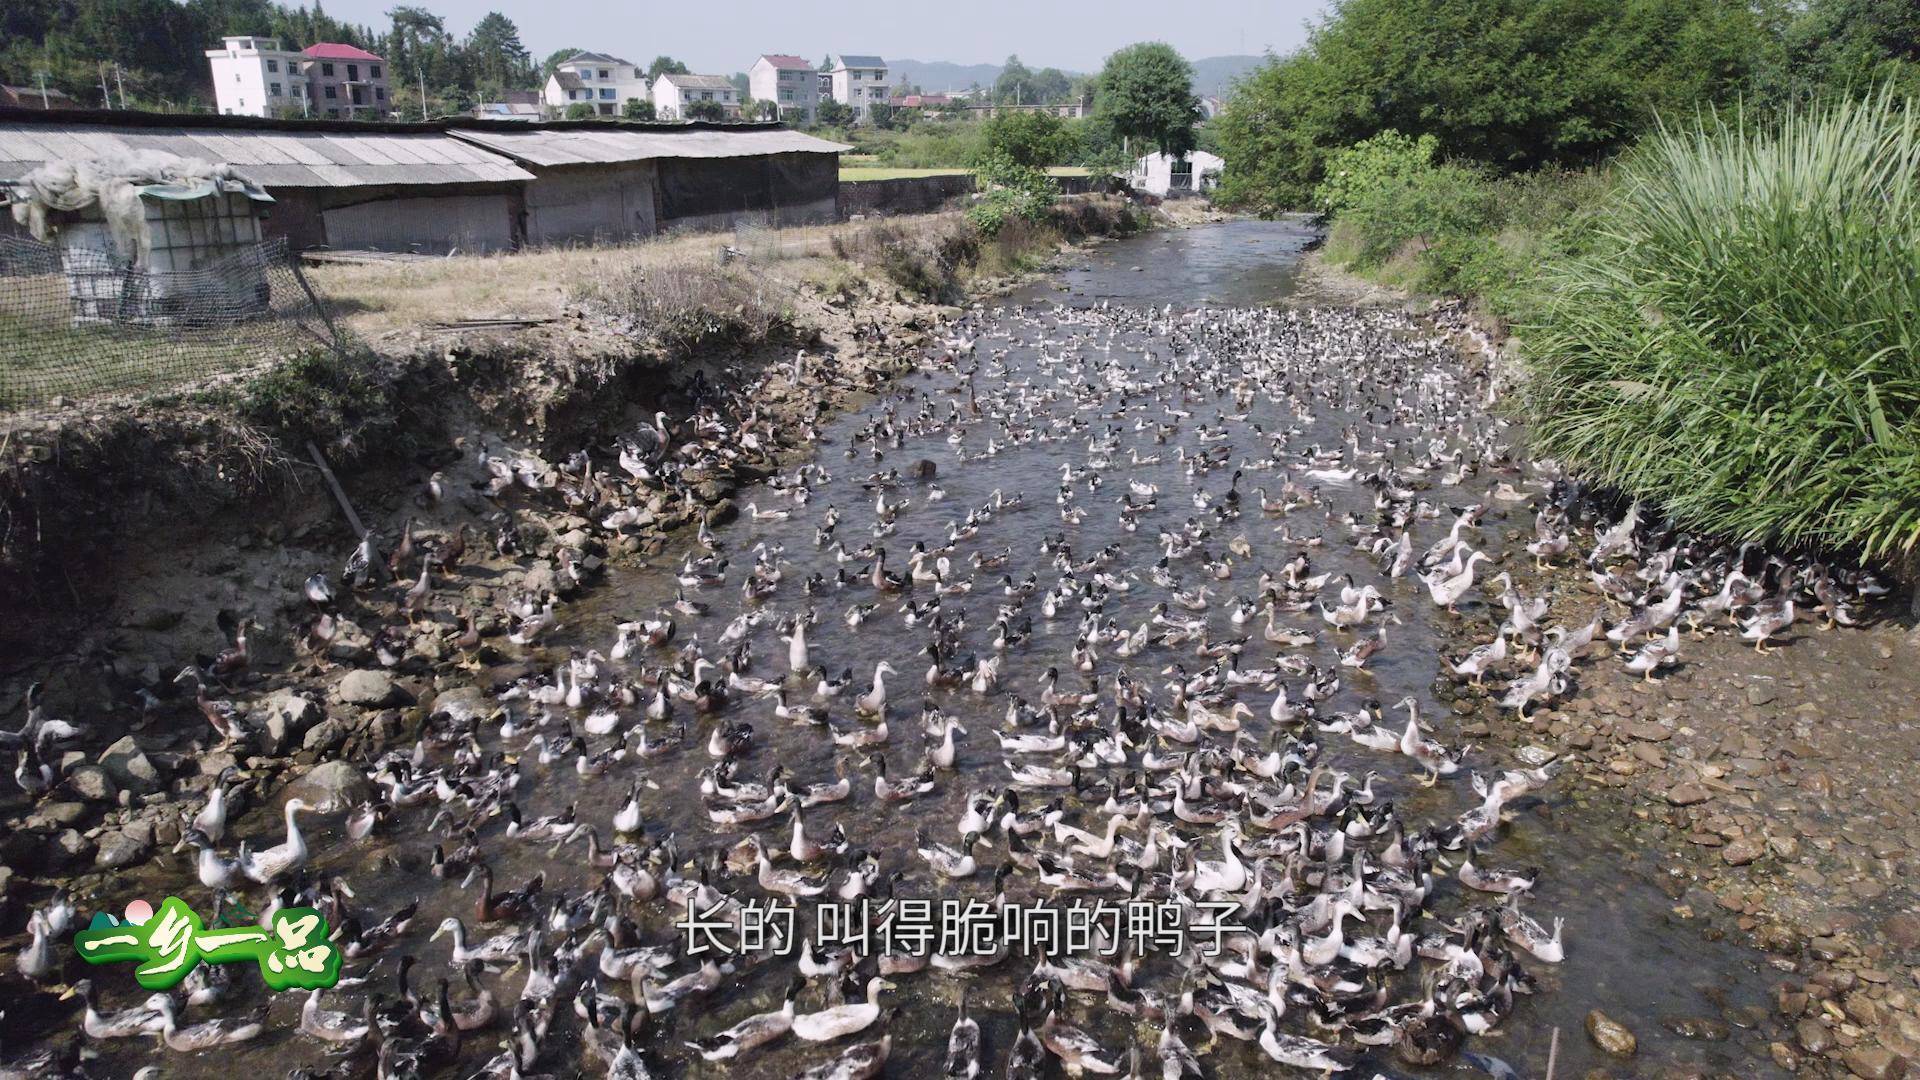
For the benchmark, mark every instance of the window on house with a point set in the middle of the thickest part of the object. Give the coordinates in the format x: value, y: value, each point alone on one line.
x: 379, y: 93
x: 373, y: 72
x: 605, y: 74
x: 274, y: 89
x: 607, y: 92
x: 273, y: 66
x: 357, y: 100
x: 332, y: 91
x: 854, y: 75
x: 786, y: 95
x: 333, y: 114
x: 353, y: 72
x: 586, y: 73
x: 327, y: 70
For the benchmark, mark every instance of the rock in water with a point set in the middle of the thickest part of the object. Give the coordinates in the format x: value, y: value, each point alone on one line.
x: 1611, y: 1035
x: 366, y: 687
x: 330, y: 786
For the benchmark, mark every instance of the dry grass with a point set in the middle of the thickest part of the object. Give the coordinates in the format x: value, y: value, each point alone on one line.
x: 923, y: 253
x: 377, y: 298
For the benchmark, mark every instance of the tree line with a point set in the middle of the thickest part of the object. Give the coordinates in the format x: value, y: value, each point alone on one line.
x: 1516, y: 85
x: 151, y: 52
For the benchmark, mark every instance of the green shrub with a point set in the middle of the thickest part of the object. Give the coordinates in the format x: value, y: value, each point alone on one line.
x: 337, y: 399
x: 1742, y: 342
x: 1010, y: 190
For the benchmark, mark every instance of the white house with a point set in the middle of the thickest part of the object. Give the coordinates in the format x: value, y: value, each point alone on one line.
x: 859, y: 81
x: 788, y: 81
x: 254, y: 76
x: 589, y: 78
x: 673, y: 93
x: 1158, y: 174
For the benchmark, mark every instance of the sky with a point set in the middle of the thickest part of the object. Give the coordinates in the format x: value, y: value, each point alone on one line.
x: 724, y: 37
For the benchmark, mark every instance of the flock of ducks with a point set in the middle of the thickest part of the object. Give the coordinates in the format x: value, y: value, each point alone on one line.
x: 1159, y: 681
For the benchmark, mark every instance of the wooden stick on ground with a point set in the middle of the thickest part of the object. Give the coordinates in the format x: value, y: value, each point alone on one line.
x: 339, y: 495
x: 1553, y: 1053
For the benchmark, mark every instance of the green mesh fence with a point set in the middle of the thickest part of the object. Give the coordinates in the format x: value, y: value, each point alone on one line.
x: 76, y: 323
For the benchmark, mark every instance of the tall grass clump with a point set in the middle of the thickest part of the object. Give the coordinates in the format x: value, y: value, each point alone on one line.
x: 1741, y: 344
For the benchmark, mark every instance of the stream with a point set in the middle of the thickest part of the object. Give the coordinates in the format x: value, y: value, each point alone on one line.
x: 1626, y: 954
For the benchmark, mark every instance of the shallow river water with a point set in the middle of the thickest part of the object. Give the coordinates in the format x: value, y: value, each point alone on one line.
x: 1625, y: 954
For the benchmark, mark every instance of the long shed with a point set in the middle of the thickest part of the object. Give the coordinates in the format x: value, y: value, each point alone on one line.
x: 344, y: 185
x: 594, y: 181
x: 464, y: 184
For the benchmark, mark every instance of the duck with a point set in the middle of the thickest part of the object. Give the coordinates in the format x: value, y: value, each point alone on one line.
x: 145, y: 1018
x: 753, y: 1032
x: 963, y: 1043
x: 861, y: 1061
x: 333, y: 1027
x: 840, y: 1021
x: 274, y: 863
x: 497, y: 949
x: 948, y: 861
x: 207, y: 1035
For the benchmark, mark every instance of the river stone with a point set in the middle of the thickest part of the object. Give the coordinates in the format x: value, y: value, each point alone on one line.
x: 330, y: 786
x: 1813, y: 1036
x: 1610, y: 1035
x: 325, y: 736
x: 1761, y: 692
x: 124, y: 848
x: 70, y: 847
x: 721, y: 512
x: 288, y: 713
x: 1903, y: 929
x: 93, y: 783
x: 462, y: 704
x: 1687, y: 793
x: 1649, y: 731
x: 1875, y: 1063
x: 366, y: 686
x: 1742, y: 850
x: 129, y: 766
x: 1699, y: 1027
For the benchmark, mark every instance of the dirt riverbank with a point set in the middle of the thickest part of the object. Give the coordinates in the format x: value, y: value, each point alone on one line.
x: 1780, y: 793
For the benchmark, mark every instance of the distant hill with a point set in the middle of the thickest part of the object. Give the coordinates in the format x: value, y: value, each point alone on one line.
x: 934, y: 76
x: 1212, y: 77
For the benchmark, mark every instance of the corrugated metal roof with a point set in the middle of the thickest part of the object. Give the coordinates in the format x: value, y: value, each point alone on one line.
x: 592, y: 143
x: 299, y: 158
x: 861, y: 62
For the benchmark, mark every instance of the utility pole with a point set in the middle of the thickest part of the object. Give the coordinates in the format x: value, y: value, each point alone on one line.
x: 420, y: 73
x: 120, y: 81
x: 42, y: 76
x: 106, y: 96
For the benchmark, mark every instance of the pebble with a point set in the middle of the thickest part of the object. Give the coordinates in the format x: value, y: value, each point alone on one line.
x: 1813, y: 1036
x: 1742, y: 850
x: 1610, y: 1035
x: 1875, y: 1063
x: 124, y: 848
x: 1687, y: 793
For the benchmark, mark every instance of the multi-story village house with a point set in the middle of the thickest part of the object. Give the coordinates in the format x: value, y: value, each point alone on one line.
x: 859, y: 81
x: 787, y: 81
x: 673, y: 93
x: 605, y: 82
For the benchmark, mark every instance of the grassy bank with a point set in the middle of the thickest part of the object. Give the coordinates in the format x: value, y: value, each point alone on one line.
x: 1725, y: 322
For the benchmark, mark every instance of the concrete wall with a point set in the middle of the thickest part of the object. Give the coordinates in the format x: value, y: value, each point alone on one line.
x: 907, y: 195
x: 585, y: 204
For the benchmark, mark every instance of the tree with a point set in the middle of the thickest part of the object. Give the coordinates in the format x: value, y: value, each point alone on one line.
x: 637, y: 109
x: 834, y: 114
x: 581, y: 110
x: 1033, y: 139
x: 1145, y: 92
x: 1515, y: 84
x: 495, y: 52
x: 703, y: 110
x: 554, y: 60
x: 665, y: 65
